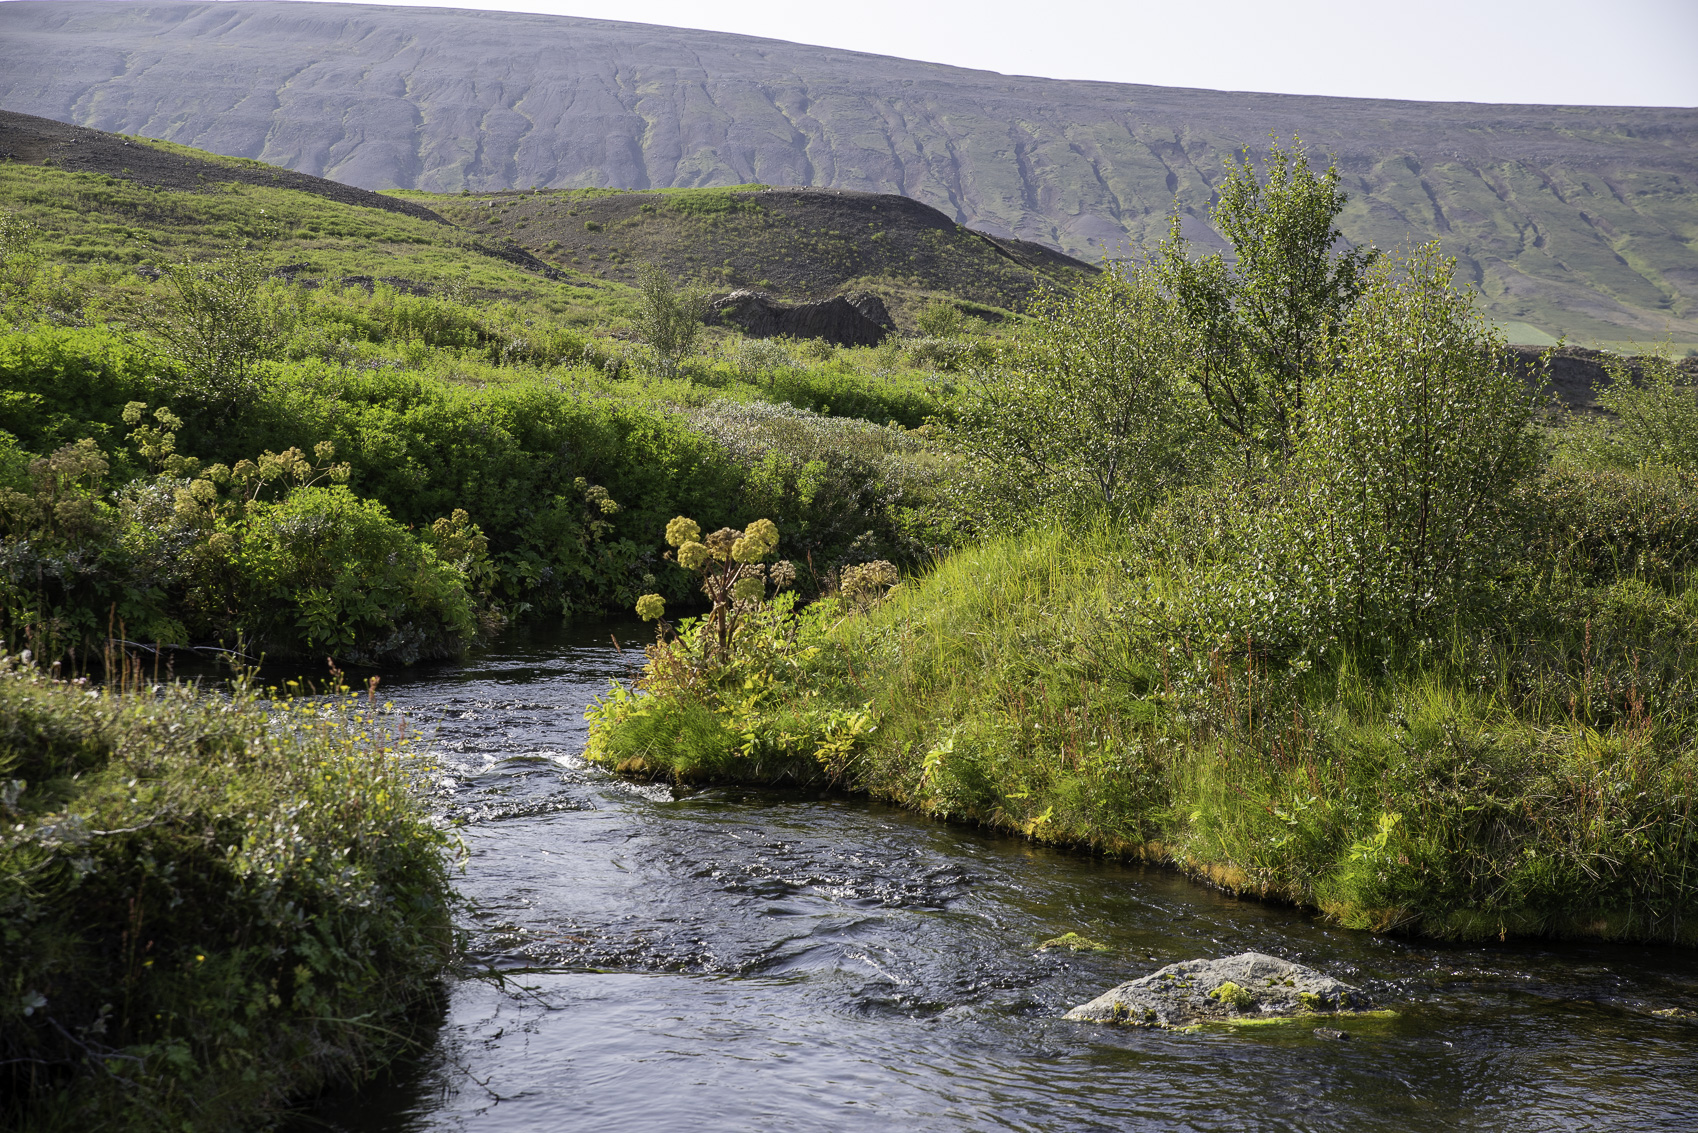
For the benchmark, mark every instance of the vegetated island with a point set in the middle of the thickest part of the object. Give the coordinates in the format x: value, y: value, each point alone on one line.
x: 1305, y: 599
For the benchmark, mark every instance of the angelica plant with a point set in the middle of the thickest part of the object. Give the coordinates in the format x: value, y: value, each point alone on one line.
x: 734, y: 573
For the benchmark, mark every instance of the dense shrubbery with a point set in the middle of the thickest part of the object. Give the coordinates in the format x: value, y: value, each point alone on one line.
x: 211, y: 902
x: 564, y: 474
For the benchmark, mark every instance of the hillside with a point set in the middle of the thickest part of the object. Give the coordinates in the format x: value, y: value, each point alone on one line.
x: 101, y: 197
x: 797, y: 243
x: 1571, y: 220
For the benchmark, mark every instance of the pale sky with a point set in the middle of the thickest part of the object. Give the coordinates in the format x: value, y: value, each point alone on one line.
x: 1606, y: 52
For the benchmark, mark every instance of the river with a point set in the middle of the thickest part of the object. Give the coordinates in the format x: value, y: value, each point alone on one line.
x: 721, y: 959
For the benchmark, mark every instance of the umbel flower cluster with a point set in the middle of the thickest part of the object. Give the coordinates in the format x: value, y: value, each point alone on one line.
x: 735, y: 575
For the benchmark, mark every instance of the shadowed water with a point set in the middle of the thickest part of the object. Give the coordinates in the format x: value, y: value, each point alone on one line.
x: 735, y: 960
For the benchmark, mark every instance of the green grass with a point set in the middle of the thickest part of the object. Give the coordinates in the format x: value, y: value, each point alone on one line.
x: 89, y: 219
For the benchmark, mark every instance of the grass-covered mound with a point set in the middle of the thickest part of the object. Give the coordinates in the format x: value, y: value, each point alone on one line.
x: 211, y: 902
x: 793, y: 242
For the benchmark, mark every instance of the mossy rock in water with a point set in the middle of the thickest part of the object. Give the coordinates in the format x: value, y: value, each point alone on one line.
x: 1073, y: 942
x: 1249, y: 986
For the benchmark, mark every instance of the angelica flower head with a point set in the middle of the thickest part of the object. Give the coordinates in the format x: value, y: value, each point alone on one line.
x: 758, y: 540
x: 683, y: 530
x: 719, y: 544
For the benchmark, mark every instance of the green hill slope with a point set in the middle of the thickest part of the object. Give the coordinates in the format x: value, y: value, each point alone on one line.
x: 106, y: 198
x: 99, y: 198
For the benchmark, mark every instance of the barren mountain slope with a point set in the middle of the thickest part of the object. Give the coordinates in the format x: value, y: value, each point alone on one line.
x: 1573, y: 219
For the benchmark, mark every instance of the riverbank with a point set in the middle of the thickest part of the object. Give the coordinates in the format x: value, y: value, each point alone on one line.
x: 213, y: 903
x: 1529, y: 775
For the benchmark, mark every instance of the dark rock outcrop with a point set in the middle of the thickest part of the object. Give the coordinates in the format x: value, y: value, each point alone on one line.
x: 837, y: 320
x: 1249, y: 985
x: 873, y: 308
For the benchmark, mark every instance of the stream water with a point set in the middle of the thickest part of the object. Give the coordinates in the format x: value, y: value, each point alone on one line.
x: 744, y: 960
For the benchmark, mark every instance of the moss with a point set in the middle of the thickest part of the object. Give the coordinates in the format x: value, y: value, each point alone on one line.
x: 1231, y: 995
x: 1073, y: 942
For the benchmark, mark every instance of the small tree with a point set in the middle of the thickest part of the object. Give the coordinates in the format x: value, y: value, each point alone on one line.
x: 1653, y: 418
x: 942, y: 320
x: 669, y: 317
x: 1082, y: 409
x: 218, y: 318
x: 1257, y: 326
x: 1413, y: 443
x: 18, y: 260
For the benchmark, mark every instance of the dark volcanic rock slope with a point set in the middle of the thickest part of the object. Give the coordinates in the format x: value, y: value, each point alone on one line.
x: 1574, y: 219
x: 798, y: 243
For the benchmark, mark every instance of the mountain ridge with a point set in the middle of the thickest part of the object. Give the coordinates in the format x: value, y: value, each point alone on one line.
x: 1577, y: 220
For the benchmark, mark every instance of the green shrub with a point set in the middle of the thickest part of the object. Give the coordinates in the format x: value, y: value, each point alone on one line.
x: 1258, y: 330
x: 840, y: 392
x: 1085, y: 410
x: 1596, y: 525
x: 63, y: 385
x: 1653, y: 419
x: 212, y: 903
x: 1396, y: 513
x: 325, y: 572
x: 218, y: 318
x: 669, y: 317
x: 942, y: 320
x: 841, y: 490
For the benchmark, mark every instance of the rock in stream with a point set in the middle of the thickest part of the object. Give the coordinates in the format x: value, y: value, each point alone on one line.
x: 1250, y: 985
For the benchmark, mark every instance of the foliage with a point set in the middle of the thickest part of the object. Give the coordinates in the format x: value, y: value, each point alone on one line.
x: 942, y: 320
x: 731, y: 566
x: 327, y: 572
x: 19, y: 262
x: 213, y: 903
x: 1533, y: 777
x: 1596, y: 524
x: 701, y: 707
x: 217, y: 319
x: 193, y: 552
x: 1390, y: 665
x: 1258, y: 328
x: 841, y: 490
x: 1083, y: 410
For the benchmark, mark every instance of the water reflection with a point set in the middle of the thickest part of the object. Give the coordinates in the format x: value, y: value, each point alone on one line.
x: 743, y: 960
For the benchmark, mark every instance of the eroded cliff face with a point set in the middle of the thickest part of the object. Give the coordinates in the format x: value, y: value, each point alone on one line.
x: 1571, y: 218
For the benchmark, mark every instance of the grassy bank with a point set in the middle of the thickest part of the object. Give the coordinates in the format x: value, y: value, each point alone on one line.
x: 212, y: 903
x: 1532, y: 777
